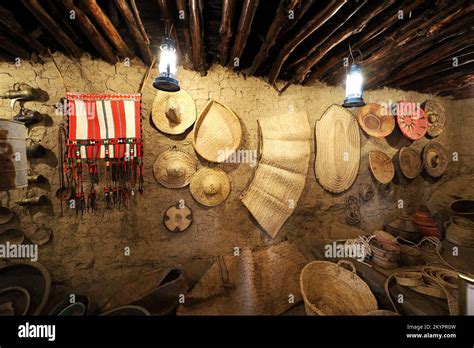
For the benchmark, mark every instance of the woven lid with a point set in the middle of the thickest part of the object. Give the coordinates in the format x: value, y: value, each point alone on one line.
x: 373, y: 122
x: 381, y: 166
x: 210, y: 186
x: 436, y: 117
x: 337, y: 149
x: 217, y: 132
x: 173, y: 112
x: 435, y: 159
x: 411, y: 120
x: 410, y: 162
x: 174, y: 168
x: 178, y: 218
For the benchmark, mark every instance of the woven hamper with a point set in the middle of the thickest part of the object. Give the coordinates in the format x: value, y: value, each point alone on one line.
x: 329, y: 289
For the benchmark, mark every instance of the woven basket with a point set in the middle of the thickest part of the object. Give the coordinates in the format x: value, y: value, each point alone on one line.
x: 329, y: 289
x: 460, y: 231
x: 337, y: 149
x: 381, y: 166
x: 217, y: 132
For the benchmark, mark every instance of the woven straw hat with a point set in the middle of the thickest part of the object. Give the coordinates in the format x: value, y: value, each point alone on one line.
x: 337, y: 149
x: 410, y: 162
x: 174, y: 168
x: 210, y: 186
x: 173, y: 112
x: 217, y: 132
x: 436, y: 117
x: 281, y: 174
x: 374, y: 123
x: 411, y: 120
x: 435, y: 159
x: 381, y: 166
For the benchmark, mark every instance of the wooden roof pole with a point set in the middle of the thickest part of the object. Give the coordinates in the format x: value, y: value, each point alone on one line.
x: 132, y: 26
x: 249, y: 8
x: 50, y: 24
x: 94, y: 36
x: 226, y: 29
x: 183, y: 24
x: 8, y: 20
x: 93, y: 9
x: 314, y: 24
x: 276, y: 27
x: 197, y: 36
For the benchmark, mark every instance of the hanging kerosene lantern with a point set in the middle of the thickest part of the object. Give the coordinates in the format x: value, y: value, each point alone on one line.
x: 166, y: 81
x: 354, y: 85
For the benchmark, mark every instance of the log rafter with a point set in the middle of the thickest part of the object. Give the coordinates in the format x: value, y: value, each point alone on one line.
x: 303, y: 41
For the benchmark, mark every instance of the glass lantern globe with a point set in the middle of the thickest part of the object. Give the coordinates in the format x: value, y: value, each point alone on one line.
x: 354, y: 89
x: 166, y: 80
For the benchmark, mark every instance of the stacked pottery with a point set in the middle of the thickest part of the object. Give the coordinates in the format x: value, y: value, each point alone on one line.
x: 426, y: 223
x: 403, y: 227
x: 385, y: 254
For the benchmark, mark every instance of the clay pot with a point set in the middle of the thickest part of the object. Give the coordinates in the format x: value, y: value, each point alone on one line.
x: 13, y: 236
x: 385, y: 251
x: 6, y: 215
x: 463, y: 208
x: 384, y: 263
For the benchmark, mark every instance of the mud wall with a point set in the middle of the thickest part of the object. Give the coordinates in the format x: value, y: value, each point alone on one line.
x: 86, y: 253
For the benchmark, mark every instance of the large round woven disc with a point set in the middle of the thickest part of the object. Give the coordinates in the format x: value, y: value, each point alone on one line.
x: 381, y: 166
x: 217, y: 132
x: 210, y: 186
x: 411, y: 120
x: 435, y: 159
x: 173, y: 112
x: 174, y: 168
x: 436, y: 117
x: 337, y: 149
x: 373, y: 122
x: 410, y: 162
x: 178, y: 219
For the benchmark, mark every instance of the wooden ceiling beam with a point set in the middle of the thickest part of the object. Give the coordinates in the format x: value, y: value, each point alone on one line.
x: 101, y: 18
x: 356, y: 27
x: 299, y: 12
x: 12, y: 47
x: 138, y: 20
x: 444, y: 67
x: 7, y: 18
x: 457, y: 35
x: 433, y: 82
x: 249, y: 8
x: 132, y: 26
x: 226, y: 29
x: 184, y: 27
x: 377, y: 27
x: 197, y: 36
x: 281, y: 17
x: 94, y: 36
x: 324, y: 37
x: 51, y: 25
x: 314, y: 24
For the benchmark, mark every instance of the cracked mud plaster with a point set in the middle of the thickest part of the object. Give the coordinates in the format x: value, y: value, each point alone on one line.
x: 87, y: 254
